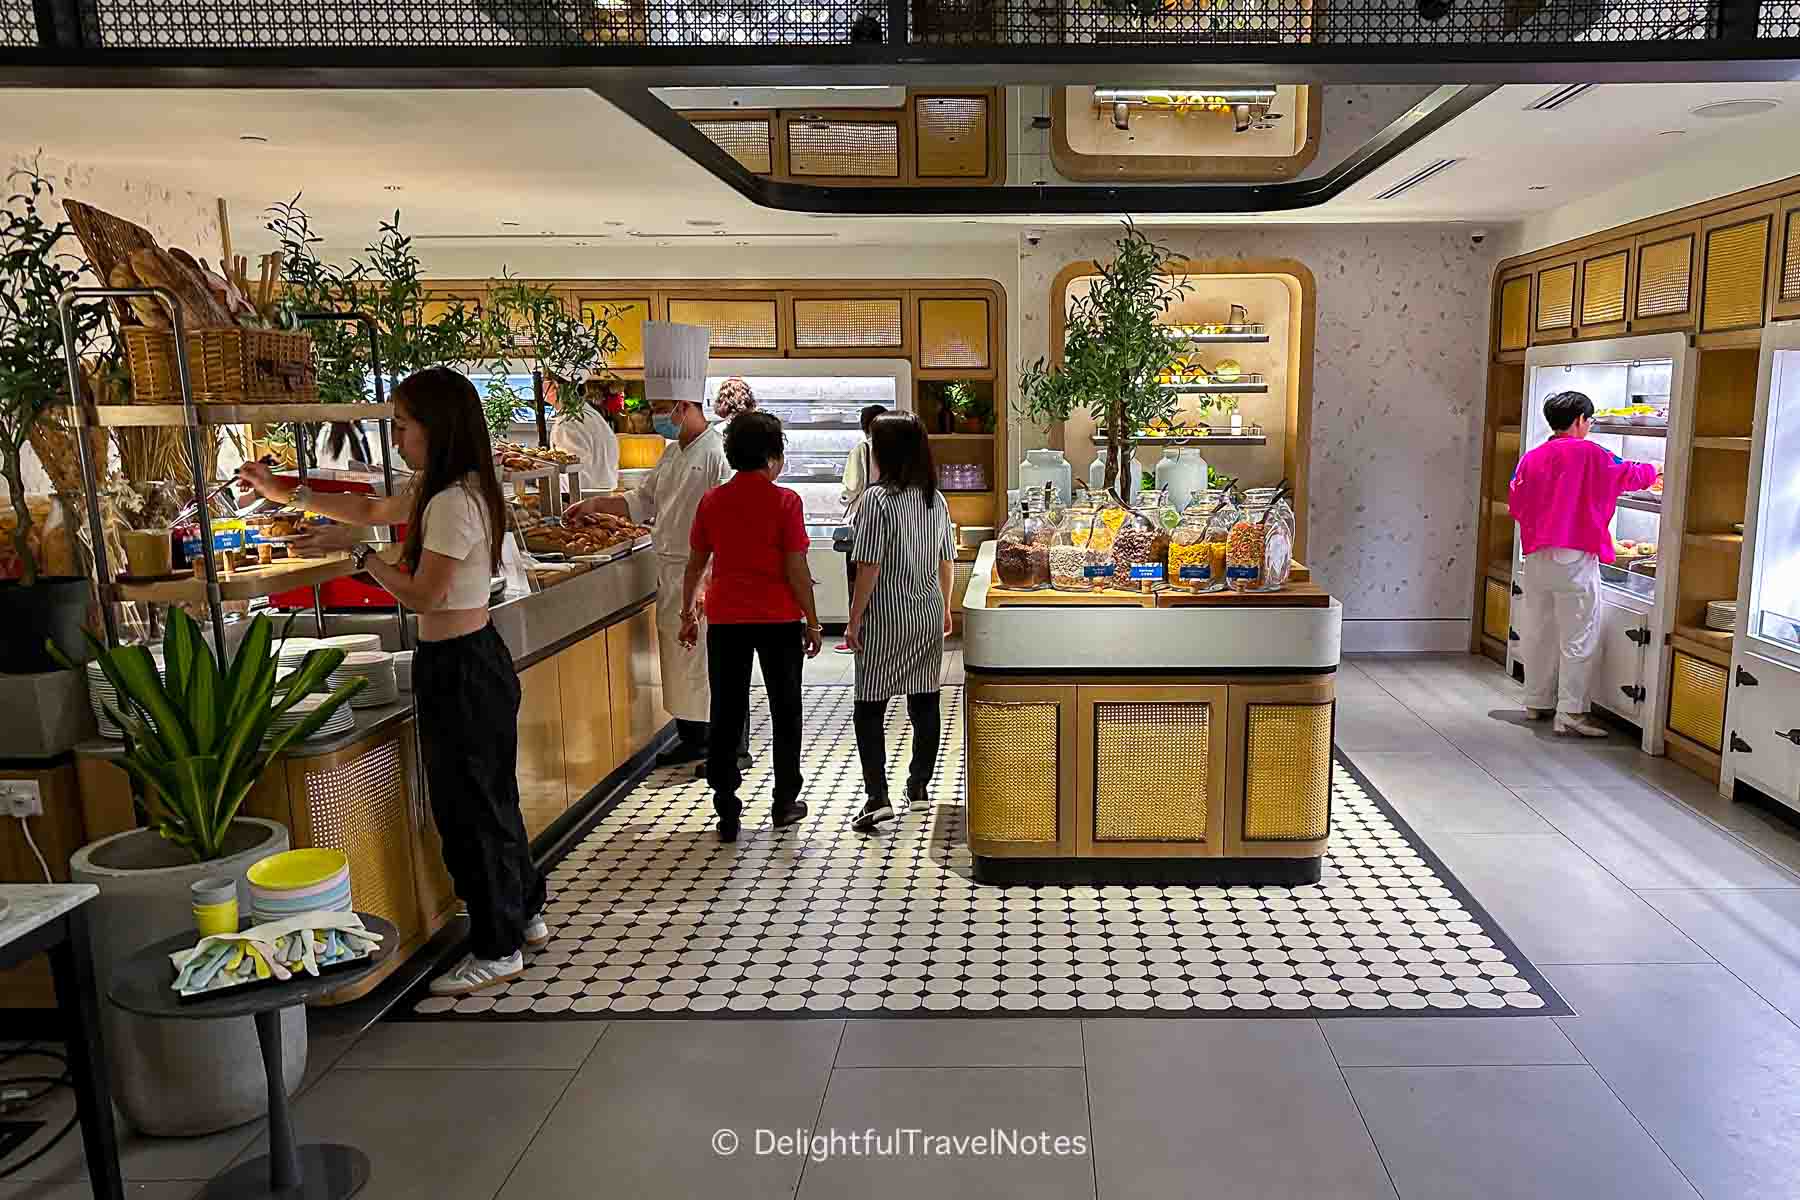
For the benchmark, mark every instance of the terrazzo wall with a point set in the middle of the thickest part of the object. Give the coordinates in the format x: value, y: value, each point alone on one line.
x: 1397, y: 404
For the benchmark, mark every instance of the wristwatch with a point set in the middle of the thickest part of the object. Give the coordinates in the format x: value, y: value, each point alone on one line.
x: 359, y: 554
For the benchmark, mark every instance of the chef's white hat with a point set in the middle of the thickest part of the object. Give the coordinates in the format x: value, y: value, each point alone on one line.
x: 675, y: 361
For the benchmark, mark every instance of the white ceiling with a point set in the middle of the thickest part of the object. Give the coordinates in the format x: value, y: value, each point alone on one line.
x: 568, y: 163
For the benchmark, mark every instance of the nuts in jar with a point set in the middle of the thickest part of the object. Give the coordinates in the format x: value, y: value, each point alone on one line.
x: 1244, y: 556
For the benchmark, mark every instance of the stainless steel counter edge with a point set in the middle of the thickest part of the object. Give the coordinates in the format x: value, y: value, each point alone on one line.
x: 533, y: 627
x: 1095, y: 638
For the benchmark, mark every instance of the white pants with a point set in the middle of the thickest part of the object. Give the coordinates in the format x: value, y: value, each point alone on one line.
x: 1560, y: 625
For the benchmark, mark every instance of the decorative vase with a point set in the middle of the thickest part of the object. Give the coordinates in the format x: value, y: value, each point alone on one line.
x: 1131, y: 475
x: 1047, y: 466
x: 178, y: 1078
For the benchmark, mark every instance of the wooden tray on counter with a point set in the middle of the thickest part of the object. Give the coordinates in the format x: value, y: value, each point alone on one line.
x: 1294, y: 595
x: 1300, y: 592
x: 999, y: 597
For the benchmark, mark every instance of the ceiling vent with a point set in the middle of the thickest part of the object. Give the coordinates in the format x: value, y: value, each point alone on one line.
x: 1417, y: 177
x: 1552, y: 100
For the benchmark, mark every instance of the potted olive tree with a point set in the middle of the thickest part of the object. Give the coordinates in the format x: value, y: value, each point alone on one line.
x: 199, y: 734
x: 529, y: 318
x: 36, y: 610
x: 1116, y: 352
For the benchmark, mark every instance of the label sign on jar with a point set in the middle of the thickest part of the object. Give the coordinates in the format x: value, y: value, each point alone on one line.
x: 1098, y: 570
x: 1243, y: 572
x: 1147, y: 571
x: 1203, y: 574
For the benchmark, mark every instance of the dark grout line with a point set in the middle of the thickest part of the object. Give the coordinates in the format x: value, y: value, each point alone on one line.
x: 1351, y: 1092
x: 824, y: 1096
x: 1601, y: 1075
x: 1087, y: 1096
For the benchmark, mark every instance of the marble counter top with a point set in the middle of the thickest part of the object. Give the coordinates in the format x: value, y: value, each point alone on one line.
x: 25, y: 907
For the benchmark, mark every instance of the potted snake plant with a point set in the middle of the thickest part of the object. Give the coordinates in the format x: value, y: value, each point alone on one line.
x: 198, y: 738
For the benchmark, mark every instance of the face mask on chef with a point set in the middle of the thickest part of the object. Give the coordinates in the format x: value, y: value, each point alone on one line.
x: 674, y: 422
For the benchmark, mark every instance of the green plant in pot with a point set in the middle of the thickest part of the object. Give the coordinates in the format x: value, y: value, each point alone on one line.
x: 1116, y: 351
x: 972, y: 412
x: 198, y: 738
x: 36, y: 610
x: 531, y: 319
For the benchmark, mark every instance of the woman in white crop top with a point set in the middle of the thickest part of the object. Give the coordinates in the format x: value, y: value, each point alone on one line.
x: 465, y: 689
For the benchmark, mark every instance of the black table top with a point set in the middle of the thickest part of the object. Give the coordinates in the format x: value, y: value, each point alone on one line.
x: 141, y: 984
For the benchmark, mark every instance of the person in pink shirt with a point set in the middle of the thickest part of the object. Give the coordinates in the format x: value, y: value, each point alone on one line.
x: 1562, y: 496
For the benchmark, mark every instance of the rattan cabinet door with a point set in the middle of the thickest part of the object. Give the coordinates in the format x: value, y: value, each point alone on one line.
x: 1021, y: 751
x: 1279, y: 790
x: 1784, y: 280
x: 1152, y: 771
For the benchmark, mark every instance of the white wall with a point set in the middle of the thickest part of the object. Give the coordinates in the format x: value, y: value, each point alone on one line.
x: 1398, y: 393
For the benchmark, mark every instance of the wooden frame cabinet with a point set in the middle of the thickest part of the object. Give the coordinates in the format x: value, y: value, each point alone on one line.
x: 955, y: 334
x: 1153, y: 766
x: 625, y: 317
x: 1012, y: 754
x: 1784, y: 278
x: 745, y: 324
x: 1512, y: 314
x: 1734, y: 269
x: 1605, y: 293
x: 849, y: 324
x: 1279, y: 769
x: 847, y: 147
x: 1664, y: 272
x: 1556, y: 295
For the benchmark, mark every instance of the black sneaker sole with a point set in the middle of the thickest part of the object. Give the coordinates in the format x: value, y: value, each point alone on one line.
x: 867, y: 820
x: 728, y: 833
x: 791, y: 816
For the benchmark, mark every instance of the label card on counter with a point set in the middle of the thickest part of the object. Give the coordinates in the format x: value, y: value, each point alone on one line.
x: 1147, y: 571
x: 1098, y: 570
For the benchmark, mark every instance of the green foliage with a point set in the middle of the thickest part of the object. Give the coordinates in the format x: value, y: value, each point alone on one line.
x: 194, y: 735
x: 965, y: 403
x: 34, y: 375
x: 499, y: 401
x: 568, y: 346
x: 1115, y: 348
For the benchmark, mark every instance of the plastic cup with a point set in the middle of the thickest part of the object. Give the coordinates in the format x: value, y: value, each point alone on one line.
x: 215, y: 905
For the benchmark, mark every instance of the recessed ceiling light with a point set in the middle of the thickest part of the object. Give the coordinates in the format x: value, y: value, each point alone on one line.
x: 258, y: 138
x: 392, y: 187
x: 697, y: 224
x: 1726, y: 110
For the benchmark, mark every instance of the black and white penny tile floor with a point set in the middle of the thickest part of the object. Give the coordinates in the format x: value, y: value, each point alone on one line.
x: 652, y: 917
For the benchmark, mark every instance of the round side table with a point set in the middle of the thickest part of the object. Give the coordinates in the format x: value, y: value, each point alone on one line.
x: 141, y: 985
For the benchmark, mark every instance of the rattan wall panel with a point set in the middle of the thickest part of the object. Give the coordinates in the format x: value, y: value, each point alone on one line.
x: 1496, y: 612
x: 1665, y: 277
x: 952, y: 132
x: 1737, y: 260
x: 1142, y: 798
x: 953, y: 335
x: 844, y: 149
x: 870, y: 324
x: 361, y: 809
x: 735, y: 324
x: 1697, y: 700
x: 1515, y: 313
x: 1556, y: 298
x: 626, y: 320
x: 1014, y: 763
x: 751, y: 142
x: 1790, y: 257
x: 1603, y: 288
x: 1287, y: 773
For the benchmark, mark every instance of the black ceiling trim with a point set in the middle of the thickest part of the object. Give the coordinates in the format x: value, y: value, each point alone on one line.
x: 1418, y: 122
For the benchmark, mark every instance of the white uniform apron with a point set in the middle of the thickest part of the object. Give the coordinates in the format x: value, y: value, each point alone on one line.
x: 670, y: 497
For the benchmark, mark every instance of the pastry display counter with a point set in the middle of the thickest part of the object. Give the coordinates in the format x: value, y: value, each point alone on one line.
x: 1146, y: 740
x: 591, y: 706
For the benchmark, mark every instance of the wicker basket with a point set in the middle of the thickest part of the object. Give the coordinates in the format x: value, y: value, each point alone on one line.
x: 228, y: 366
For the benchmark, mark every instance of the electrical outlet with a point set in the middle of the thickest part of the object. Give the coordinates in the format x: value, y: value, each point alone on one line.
x: 21, y: 798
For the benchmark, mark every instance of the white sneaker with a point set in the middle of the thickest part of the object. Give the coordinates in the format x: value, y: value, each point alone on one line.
x: 1577, y: 726
x: 476, y: 974
x: 536, y: 932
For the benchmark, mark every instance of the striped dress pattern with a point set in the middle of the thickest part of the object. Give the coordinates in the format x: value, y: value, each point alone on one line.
x: 903, y: 628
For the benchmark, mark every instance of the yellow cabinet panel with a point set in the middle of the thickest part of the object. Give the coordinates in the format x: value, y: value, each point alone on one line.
x: 735, y: 324
x: 1785, y: 302
x: 542, y: 793
x: 750, y: 140
x: 952, y: 133
x: 1735, y: 274
x: 1697, y: 700
x: 1665, y: 280
x: 953, y: 334
x: 1151, y: 780
x: 586, y: 689
x: 1556, y: 300
x: 1604, y: 280
x: 849, y: 323
x: 1515, y: 313
x: 831, y: 148
x: 1496, y: 613
x: 636, y: 687
x: 625, y: 317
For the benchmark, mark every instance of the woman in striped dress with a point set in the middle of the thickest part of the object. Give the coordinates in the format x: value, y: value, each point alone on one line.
x: 904, y: 557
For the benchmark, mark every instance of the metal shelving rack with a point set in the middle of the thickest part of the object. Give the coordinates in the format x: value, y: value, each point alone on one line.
x: 191, y: 417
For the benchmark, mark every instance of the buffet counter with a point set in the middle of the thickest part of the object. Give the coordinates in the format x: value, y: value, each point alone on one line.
x: 591, y: 708
x: 1148, y: 735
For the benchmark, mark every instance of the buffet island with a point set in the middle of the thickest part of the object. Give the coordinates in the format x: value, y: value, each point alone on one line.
x: 1144, y: 736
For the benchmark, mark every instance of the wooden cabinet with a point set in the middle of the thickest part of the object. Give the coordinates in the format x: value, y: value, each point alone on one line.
x: 542, y: 793
x: 1279, y: 770
x: 1496, y: 609
x: 1784, y: 280
x: 1762, y: 722
x: 1617, y: 681
x: 748, y: 138
x: 625, y: 317
x: 636, y: 682
x: 847, y: 147
x: 952, y: 133
x: 1662, y: 294
x: 955, y: 333
x: 1605, y: 290
x: 740, y: 324
x: 849, y: 324
x: 1512, y: 326
x: 1152, y: 770
x: 584, y: 684
x: 1697, y: 700
x: 1022, y: 755
x: 1734, y: 269
x: 1553, y: 318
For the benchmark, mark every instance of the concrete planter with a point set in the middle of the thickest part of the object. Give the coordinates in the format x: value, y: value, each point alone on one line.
x: 178, y: 1078
x: 44, y: 714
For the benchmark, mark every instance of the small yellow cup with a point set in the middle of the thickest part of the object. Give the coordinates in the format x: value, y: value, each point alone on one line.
x: 215, y: 906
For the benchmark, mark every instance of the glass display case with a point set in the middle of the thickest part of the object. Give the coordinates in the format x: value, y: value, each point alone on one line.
x: 1774, y: 592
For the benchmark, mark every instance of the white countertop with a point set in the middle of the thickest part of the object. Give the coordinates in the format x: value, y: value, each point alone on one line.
x: 28, y: 906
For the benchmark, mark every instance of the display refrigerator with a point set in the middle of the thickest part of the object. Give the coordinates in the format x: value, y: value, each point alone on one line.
x: 820, y: 403
x: 1763, y: 713
x: 1642, y: 389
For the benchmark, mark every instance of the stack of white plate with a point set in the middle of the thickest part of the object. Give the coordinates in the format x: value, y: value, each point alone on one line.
x: 351, y: 643
x: 403, y: 669
x: 378, y: 668
x: 101, y: 693
x: 1721, y: 615
x: 340, y: 721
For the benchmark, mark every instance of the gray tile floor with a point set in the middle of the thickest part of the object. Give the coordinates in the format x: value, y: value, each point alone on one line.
x: 1666, y: 917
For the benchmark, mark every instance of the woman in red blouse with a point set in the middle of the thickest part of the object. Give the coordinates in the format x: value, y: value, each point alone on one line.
x: 758, y: 602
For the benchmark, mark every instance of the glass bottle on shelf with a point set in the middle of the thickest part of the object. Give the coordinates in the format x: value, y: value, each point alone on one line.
x: 1022, y: 558
x: 1141, y: 547
x: 1181, y: 473
x: 1131, y: 473
x: 1048, y: 466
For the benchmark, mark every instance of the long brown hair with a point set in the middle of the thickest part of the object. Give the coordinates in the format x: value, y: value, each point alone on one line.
x: 903, y: 452
x: 456, y: 445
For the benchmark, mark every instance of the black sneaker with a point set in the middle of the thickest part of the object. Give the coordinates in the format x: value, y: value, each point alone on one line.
x: 916, y: 797
x: 728, y: 829
x: 873, y: 813
x: 783, y: 815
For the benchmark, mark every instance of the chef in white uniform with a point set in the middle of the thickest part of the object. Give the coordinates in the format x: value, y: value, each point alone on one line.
x: 590, y: 438
x: 692, y: 464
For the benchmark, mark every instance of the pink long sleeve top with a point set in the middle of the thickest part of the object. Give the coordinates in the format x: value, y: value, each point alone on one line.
x: 1564, y: 492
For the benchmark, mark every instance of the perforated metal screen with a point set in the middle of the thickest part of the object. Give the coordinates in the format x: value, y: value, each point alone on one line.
x: 18, y: 23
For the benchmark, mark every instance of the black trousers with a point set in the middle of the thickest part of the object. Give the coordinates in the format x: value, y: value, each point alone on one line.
x: 781, y: 649
x: 923, y: 710
x: 466, y: 694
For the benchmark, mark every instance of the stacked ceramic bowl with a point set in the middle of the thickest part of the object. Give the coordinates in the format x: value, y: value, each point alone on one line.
x: 299, y: 881
x: 1721, y: 615
x: 340, y: 721
x: 377, y: 667
x: 102, y: 693
x: 352, y: 643
x: 403, y: 669
x: 289, y: 654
